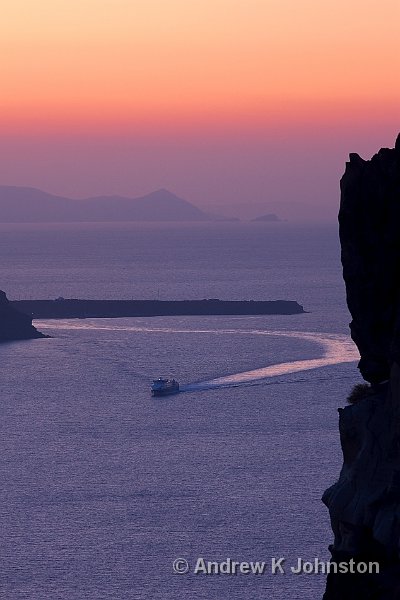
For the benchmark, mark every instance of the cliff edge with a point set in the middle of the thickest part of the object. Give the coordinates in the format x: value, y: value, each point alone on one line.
x: 369, y: 220
x: 15, y: 325
x: 364, y: 504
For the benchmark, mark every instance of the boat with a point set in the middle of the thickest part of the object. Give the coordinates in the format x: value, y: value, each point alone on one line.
x: 164, y: 387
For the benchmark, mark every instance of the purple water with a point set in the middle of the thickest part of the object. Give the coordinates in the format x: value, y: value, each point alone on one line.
x: 104, y: 486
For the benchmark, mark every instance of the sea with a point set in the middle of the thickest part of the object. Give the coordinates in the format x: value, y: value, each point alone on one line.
x: 109, y: 493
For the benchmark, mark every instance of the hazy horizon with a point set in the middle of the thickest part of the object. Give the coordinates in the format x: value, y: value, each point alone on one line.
x: 232, y: 106
x: 25, y: 204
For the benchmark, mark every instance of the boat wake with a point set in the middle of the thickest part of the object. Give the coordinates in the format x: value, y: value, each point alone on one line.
x: 336, y: 349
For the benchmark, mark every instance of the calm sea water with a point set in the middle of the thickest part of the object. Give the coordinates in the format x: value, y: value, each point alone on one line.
x: 104, y: 486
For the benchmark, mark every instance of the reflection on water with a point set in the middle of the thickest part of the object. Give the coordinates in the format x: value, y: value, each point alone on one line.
x: 336, y: 348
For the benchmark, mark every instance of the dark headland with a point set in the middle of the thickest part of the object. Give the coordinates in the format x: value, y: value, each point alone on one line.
x: 78, y: 309
x: 13, y: 324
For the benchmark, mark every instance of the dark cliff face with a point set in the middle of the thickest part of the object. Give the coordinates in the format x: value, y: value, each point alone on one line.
x: 369, y: 221
x: 364, y: 504
x: 15, y: 325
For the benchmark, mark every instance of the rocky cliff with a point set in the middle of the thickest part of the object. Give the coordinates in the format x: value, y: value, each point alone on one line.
x: 364, y: 504
x: 15, y: 325
x: 369, y: 221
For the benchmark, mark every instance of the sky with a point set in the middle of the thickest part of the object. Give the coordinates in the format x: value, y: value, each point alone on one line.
x: 235, y: 105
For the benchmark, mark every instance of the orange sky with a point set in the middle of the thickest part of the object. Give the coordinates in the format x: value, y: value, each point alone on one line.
x: 225, y: 102
x: 105, y: 63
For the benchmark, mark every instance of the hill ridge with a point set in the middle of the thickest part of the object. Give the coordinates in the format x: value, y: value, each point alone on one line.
x: 26, y: 204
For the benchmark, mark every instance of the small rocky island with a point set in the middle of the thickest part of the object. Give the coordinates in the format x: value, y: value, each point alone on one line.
x: 15, y: 325
x: 107, y: 309
x: 270, y: 218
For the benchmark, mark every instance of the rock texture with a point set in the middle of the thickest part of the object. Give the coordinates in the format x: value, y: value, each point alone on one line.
x: 15, y: 325
x: 364, y: 504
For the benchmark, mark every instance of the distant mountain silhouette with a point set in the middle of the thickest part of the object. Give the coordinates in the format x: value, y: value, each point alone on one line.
x: 30, y: 205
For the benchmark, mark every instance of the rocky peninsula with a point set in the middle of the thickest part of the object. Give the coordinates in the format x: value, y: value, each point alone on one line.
x: 15, y: 325
x: 78, y: 309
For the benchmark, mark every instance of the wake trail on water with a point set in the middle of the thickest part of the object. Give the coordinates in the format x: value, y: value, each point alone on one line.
x: 337, y: 348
